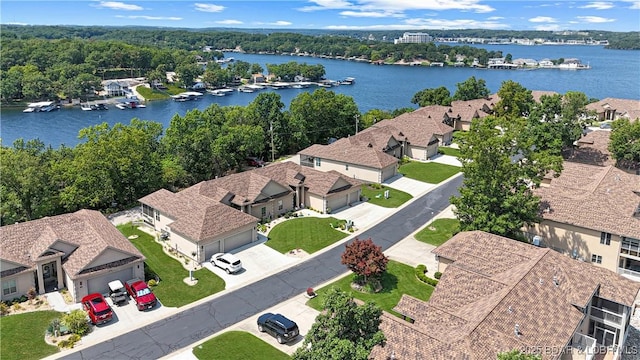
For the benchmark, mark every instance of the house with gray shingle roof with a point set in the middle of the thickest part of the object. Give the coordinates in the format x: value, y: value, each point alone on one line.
x: 497, y: 295
x: 592, y: 213
x: 222, y: 214
x: 81, y: 251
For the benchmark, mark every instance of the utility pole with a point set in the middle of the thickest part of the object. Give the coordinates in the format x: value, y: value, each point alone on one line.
x: 356, y: 116
x: 273, y: 150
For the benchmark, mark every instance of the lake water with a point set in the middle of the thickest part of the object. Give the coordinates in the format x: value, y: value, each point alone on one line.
x: 613, y: 73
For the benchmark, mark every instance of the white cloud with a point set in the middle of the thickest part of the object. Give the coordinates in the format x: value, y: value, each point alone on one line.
x: 229, y: 22
x: 208, y: 7
x: 146, y: 17
x: 117, y: 5
x: 370, y: 14
x: 635, y: 4
x: 493, y: 18
x: 425, y: 23
x: 275, y: 23
x: 398, y: 6
x: 595, y: 19
x: 543, y: 19
x: 598, y: 5
x: 17, y: 23
x: 547, y: 27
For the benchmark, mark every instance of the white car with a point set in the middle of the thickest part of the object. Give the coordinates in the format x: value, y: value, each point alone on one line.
x: 227, y: 262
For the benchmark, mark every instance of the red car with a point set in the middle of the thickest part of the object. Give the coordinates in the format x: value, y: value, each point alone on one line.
x: 97, y: 308
x: 141, y: 294
x: 253, y: 161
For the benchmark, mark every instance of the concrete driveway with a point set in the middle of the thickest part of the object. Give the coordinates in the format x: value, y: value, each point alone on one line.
x: 257, y: 259
x: 410, y: 186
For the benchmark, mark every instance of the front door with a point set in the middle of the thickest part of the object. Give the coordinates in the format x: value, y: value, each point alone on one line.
x: 50, y: 276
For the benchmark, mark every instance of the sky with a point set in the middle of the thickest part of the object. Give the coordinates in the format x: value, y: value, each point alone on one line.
x: 408, y: 15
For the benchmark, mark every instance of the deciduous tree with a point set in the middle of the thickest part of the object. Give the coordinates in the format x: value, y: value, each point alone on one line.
x: 500, y: 167
x: 344, y: 331
x: 435, y: 96
x: 517, y: 355
x: 624, y: 143
x: 365, y: 259
x: 471, y: 89
x: 515, y: 100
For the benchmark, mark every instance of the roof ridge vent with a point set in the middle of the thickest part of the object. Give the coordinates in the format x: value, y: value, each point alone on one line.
x: 541, y: 282
x: 556, y: 281
x: 516, y: 330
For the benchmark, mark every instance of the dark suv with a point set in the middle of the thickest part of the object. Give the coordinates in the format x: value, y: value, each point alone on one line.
x: 278, y: 326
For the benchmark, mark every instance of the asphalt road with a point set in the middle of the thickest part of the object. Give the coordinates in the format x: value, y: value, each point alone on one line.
x: 189, y: 326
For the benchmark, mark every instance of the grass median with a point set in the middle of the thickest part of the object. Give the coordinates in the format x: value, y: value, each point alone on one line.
x: 237, y: 345
x: 172, y: 290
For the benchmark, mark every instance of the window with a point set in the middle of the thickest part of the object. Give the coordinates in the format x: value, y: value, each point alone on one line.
x: 263, y: 211
x: 9, y: 287
x: 317, y: 161
x: 605, y: 238
x: 346, y: 166
x: 158, y: 215
x: 280, y: 205
x: 596, y: 259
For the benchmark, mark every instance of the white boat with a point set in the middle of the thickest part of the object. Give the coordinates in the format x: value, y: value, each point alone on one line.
x: 220, y: 92
x: 324, y: 85
x: 245, y: 89
x: 186, y: 96
x: 141, y: 106
x: 86, y: 107
x: 351, y: 80
x: 121, y: 106
x: 42, y: 106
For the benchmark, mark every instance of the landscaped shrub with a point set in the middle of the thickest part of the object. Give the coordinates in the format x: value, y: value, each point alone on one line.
x: 4, y: 308
x: 16, y: 307
x: 54, y: 327
x: 420, y: 270
x: 437, y: 275
x: 76, y: 321
x: 31, y: 294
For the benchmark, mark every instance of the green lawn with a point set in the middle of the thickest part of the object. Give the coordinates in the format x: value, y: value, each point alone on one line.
x: 449, y: 151
x: 428, y: 172
x: 172, y: 290
x: 155, y: 94
x: 308, y: 233
x: 237, y: 345
x: 376, y: 196
x: 399, y: 279
x: 439, y: 231
x: 23, y: 335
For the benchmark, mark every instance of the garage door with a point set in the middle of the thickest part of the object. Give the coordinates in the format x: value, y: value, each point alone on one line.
x: 101, y: 284
x: 211, y: 249
x: 237, y: 240
x: 337, y: 202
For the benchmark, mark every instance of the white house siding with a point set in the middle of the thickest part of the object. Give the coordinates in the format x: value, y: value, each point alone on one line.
x: 24, y: 282
x: 314, y: 201
x: 354, y: 171
x: 445, y: 139
x: 229, y: 241
x: 182, y: 244
x: 271, y: 207
x: 108, y: 256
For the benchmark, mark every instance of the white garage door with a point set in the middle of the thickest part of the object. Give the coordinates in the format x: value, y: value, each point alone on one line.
x: 101, y: 284
x: 237, y: 240
x: 211, y: 249
x: 337, y: 202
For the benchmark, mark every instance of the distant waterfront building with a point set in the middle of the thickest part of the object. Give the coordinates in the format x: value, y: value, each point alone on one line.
x: 413, y: 38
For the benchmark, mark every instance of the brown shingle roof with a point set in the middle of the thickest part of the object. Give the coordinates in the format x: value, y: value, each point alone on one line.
x: 316, y: 182
x: 592, y: 149
x: 420, y: 126
x: 345, y: 152
x: 623, y: 107
x: 474, y: 310
x: 197, y: 215
x: 88, y: 230
x: 579, y: 194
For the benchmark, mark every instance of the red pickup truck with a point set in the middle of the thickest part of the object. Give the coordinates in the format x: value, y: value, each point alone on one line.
x: 141, y: 294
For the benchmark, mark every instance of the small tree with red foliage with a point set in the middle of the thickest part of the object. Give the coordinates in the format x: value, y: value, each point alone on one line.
x: 365, y: 258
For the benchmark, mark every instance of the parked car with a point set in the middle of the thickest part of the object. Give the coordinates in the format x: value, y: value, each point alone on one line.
x: 117, y: 292
x: 141, y: 294
x: 278, y: 326
x: 226, y: 262
x: 97, y: 308
x: 605, y: 125
x: 253, y: 161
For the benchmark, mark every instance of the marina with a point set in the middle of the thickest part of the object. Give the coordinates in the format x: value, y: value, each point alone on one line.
x: 376, y: 87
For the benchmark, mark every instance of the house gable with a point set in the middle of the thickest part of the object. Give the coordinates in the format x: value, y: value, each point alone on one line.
x: 270, y: 190
x: 109, y: 255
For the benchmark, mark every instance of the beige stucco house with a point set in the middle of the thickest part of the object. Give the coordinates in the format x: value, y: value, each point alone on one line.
x: 357, y: 161
x: 80, y: 251
x: 592, y: 213
x: 222, y: 214
x: 614, y: 109
x: 498, y: 295
x: 424, y: 130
